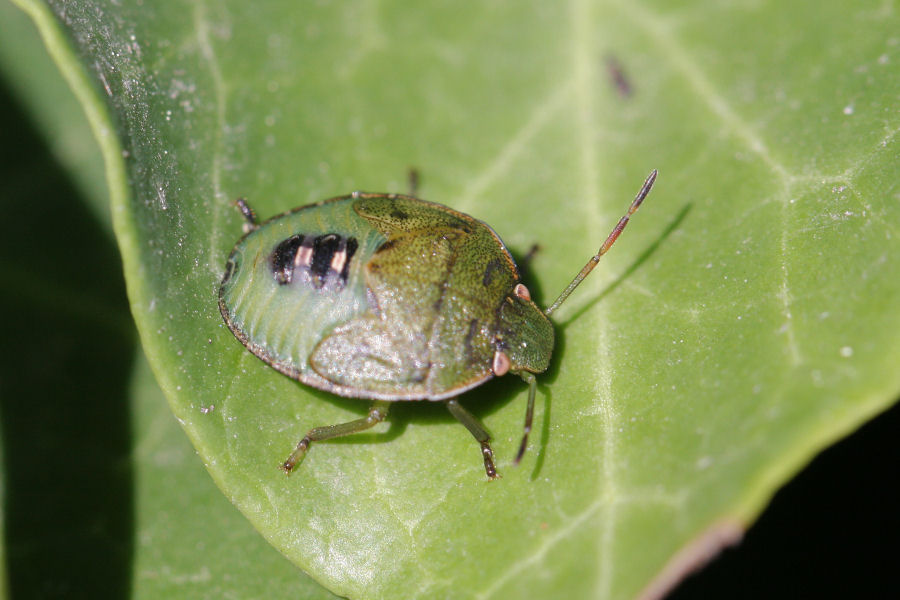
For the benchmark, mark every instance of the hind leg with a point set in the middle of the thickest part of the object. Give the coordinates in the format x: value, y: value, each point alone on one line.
x: 377, y: 413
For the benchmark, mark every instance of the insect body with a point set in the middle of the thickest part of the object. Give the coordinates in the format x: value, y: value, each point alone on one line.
x: 389, y: 297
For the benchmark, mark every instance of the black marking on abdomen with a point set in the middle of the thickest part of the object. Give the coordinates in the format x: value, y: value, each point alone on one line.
x: 350, y: 246
x: 282, y: 259
x: 229, y: 271
x: 318, y: 261
x: 323, y: 251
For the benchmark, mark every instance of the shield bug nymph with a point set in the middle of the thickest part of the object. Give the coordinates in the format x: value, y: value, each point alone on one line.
x: 389, y: 297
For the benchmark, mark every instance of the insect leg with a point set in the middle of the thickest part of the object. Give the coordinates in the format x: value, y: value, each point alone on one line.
x: 377, y: 413
x: 413, y: 180
x: 531, y: 380
x: 525, y: 262
x: 477, y: 430
x: 248, y: 214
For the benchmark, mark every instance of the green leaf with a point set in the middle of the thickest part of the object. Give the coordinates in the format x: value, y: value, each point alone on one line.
x: 189, y: 541
x: 746, y: 319
x: 99, y: 480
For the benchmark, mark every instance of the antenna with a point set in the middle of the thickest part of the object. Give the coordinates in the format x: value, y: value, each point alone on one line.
x: 613, y: 236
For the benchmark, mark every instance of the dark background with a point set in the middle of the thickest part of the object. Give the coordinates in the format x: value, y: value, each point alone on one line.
x: 831, y: 532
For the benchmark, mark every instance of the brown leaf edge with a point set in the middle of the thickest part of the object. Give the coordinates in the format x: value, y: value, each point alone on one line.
x: 693, y: 556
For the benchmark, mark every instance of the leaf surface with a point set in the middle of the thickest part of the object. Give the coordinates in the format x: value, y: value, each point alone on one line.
x: 746, y: 318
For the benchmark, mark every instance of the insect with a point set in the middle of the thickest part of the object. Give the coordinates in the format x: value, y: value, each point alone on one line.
x: 389, y: 297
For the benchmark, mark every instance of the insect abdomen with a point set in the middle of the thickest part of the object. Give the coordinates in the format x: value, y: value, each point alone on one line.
x: 293, y: 279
